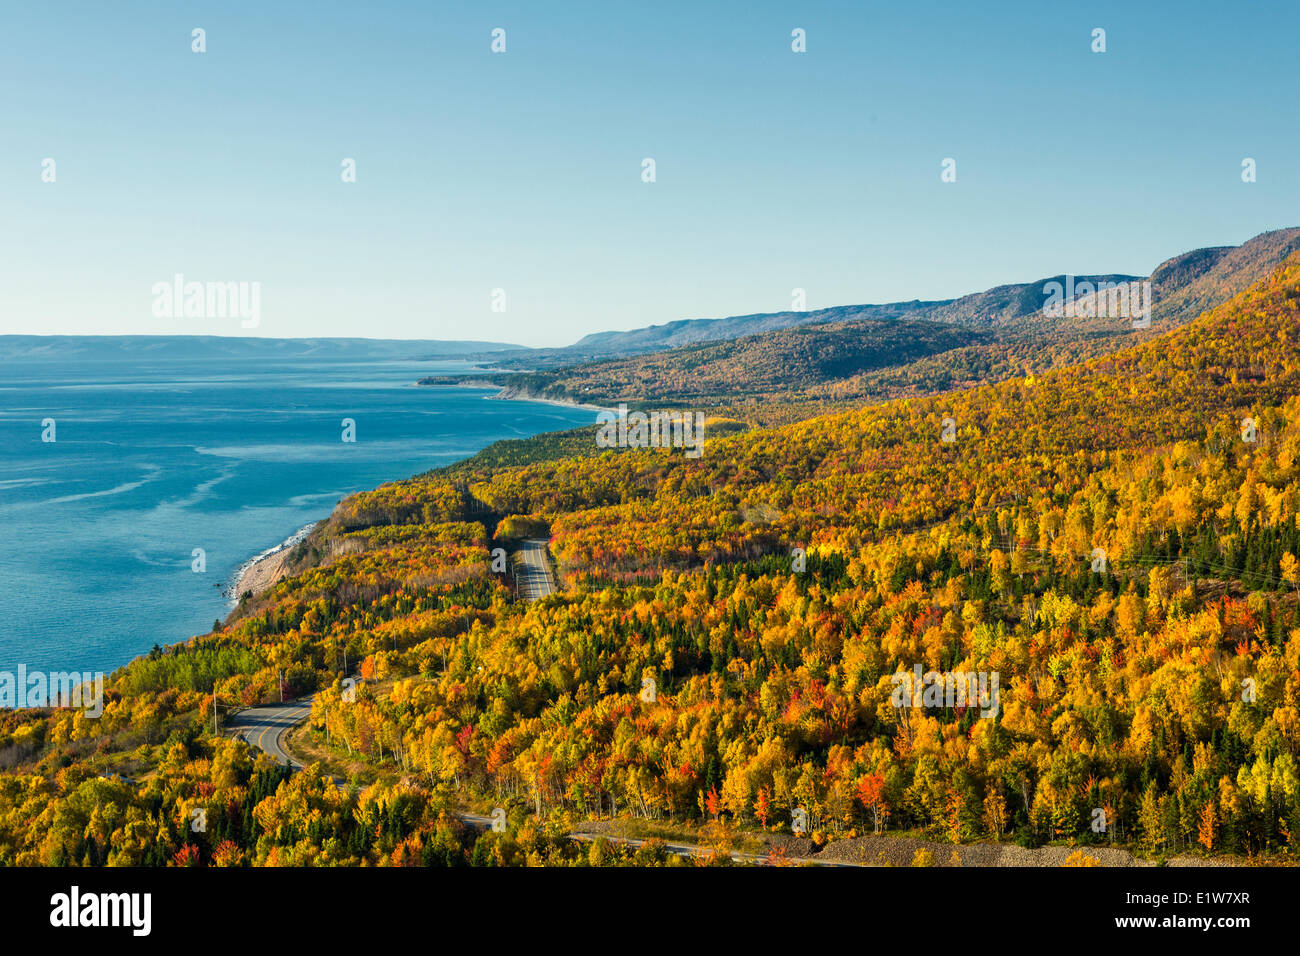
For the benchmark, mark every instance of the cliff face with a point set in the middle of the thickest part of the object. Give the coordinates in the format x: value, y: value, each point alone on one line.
x: 555, y: 396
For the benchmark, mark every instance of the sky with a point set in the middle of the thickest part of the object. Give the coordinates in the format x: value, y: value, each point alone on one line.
x: 522, y: 171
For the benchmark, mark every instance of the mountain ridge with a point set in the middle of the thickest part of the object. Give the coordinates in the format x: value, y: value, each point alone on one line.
x: 812, y: 364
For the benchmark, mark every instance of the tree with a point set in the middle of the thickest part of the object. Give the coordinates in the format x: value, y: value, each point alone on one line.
x: 871, y: 791
x: 995, y: 812
x: 1207, y: 826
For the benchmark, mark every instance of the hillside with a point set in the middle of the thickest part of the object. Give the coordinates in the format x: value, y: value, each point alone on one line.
x: 979, y: 310
x: 1188, y: 285
x: 695, y: 331
x: 772, y: 363
x: 1156, y: 683
x: 796, y: 373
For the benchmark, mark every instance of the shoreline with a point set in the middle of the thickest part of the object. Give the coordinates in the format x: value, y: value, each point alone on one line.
x: 261, y: 571
x: 513, y: 393
x: 510, y: 393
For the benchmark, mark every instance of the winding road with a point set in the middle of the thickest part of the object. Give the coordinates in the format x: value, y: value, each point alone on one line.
x: 264, y: 726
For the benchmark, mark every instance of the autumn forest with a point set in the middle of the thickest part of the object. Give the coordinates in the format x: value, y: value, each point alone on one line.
x: 1114, y: 533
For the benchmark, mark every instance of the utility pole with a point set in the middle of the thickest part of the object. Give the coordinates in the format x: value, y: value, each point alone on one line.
x: 214, y: 711
x: 280, y: 671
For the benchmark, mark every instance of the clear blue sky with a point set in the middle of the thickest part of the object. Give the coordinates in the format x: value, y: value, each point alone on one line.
x: 522, y: 170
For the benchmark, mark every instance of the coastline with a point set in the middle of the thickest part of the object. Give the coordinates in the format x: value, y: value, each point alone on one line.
x: 263, y: 570
x: 510, y: 393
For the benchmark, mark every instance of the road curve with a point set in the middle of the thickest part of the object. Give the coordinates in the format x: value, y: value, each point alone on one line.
x: 264, y: 726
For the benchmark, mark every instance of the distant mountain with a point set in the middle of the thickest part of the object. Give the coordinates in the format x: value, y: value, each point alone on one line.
x: 1182, y: 288
x: 1006, y: 304
x: 777, y: 362
x: 94, y: 348
x: 989, y: 309
x: 1198, y: 281
x: 695, y: 331
x: 854, y: 354
x: 994, y: 307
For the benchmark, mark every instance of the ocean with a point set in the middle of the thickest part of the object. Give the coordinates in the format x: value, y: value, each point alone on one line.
x: 152, y: 459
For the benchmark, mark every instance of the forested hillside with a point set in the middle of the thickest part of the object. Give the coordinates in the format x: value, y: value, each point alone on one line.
x: 1116, y: 539
x: 775, y: 364
x: 792, y: 373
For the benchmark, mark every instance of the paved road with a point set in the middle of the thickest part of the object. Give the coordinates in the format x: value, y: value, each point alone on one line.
x: 264, y: 726
x: 691, y: 850
x: 534, y: 574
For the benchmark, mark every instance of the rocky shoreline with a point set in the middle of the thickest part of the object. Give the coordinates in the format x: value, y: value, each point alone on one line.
x: 261, y: 571
x: 513, y: 393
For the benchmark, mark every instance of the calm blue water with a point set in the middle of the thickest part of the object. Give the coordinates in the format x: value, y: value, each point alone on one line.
x: 153, y: 460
